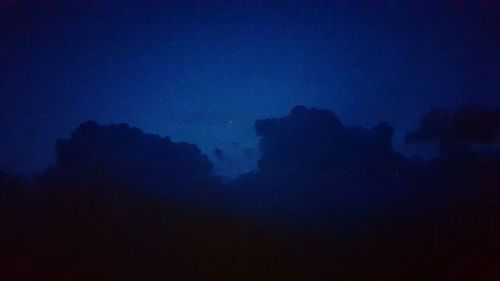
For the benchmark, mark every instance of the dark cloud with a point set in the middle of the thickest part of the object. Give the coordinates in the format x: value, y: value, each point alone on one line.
x: 314, y: 170
x: 467, y: 125
x: 316, y: 140
x: 327, y: 201
x: 219, y: 154
x: 130, y: 157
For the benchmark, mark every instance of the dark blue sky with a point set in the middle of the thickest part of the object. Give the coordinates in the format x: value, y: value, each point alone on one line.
x: 204, y: 71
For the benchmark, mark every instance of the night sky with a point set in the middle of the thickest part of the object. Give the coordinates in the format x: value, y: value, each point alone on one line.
x: 249, y: 140
x: 205, y: 71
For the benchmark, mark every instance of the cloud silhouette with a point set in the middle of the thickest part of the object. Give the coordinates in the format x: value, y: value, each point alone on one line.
x: 327, y: 201
x: 219, y: 154
x: 316, y: 140
x: 128, y: 156
x: 467, y: 125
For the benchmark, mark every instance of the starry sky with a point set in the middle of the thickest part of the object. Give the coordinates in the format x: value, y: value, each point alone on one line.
x: 205, y: 71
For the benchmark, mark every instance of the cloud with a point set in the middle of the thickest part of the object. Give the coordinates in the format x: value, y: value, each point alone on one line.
x: 314, y: 169
x: 325, y: 199
x: 219, y: 154
x: 316, y: 140
x: 467, y: 125
x: 127, y: 155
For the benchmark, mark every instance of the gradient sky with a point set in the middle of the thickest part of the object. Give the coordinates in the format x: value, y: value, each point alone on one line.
x: 204, y: 71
